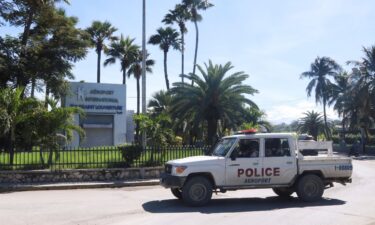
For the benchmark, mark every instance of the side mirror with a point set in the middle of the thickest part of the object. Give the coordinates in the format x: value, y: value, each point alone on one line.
x: 233, y: 155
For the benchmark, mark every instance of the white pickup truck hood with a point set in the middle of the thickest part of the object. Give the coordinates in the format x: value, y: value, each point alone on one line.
x: 194, y: 160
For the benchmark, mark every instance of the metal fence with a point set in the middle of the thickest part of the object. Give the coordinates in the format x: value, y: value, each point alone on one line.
x: 99, y: 157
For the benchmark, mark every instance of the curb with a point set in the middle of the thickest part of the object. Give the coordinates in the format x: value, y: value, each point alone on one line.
x: 68, y: 186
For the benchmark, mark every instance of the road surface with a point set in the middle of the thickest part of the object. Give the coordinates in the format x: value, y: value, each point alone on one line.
x: 353, y: 204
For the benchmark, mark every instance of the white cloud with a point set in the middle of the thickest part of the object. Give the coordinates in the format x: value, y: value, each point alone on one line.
x: 288, y: 112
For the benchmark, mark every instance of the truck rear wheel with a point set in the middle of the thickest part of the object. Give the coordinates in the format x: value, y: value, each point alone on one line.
x: 283, y: 192
x: 310, y: 188
x: 177, y: 192
x: 197, y: 191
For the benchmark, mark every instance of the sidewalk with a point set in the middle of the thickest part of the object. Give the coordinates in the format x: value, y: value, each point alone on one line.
x: 80, y: 185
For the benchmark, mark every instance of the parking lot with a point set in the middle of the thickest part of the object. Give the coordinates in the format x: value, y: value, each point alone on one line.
x: 351, y: 204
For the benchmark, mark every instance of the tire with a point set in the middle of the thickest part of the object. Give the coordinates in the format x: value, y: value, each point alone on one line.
x: 283, y: 192
x: 197, y: 191
x: 310, y: 188
x: 177, y: 192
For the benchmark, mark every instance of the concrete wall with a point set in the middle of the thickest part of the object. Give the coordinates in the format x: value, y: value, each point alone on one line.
x: 87, y: 175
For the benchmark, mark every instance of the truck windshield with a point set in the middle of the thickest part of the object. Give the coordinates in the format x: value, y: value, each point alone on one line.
x: 223, y: 146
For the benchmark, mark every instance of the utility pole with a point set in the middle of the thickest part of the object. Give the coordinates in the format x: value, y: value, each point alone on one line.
x: 144, y: 67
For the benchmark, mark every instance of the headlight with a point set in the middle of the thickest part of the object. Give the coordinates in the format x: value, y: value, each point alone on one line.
x: 178, y: 169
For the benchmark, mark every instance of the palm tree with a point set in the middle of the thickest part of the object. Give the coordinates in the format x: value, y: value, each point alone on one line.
x: 179, y: 16
x: 363, y: 93
x: 193, y: 6
x: 99, y: 33
x: 319, y: 71
x: 160, y: 102
x: 340, y: 97
x: 312, y: 124
x: 136, y: 70
x: 215, y: 97
x: 166, y: 38
x: 123, y: 50
x: 14, y: 109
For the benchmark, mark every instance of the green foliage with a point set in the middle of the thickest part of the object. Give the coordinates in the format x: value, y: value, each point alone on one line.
x: 130, y: 153
x: 28, y: 123
x: 312, y: 124
x: 158, y: 129
x: 216, y: 96
x: 160, y: 103
x: 44, y: 51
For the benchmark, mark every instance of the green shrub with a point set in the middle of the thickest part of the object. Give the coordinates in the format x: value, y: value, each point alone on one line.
x: 130, y: 153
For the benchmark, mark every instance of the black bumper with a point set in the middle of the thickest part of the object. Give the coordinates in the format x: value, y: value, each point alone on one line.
x: 170, y: 181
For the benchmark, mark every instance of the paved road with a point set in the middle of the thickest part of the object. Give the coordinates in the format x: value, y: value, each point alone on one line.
x: 353, y: 204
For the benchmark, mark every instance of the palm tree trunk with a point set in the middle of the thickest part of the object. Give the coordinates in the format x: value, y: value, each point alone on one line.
x: 33, y: 83
x: 326, y: 132
x: 211, y: 131
x: 98, y: 66
x: 182, y: 54
x: 165, y: 70
x: 46, y: 97
x: 196, y: 48
x: 124, y: 76
x: 343, y: 126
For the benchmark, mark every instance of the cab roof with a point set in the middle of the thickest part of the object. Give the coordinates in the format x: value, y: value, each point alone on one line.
x: 258, y: 135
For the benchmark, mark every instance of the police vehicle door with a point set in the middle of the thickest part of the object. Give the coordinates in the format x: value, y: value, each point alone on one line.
x: 279, y: 163
x: 244, y: 163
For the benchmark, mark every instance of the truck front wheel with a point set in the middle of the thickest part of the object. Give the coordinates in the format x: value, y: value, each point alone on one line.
x: 197, y: 191
x: 177, y: 192
x: 310, y: 188
x: 283, y: 192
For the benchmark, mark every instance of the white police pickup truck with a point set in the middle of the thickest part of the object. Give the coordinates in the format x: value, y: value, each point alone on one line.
x: 257, y: 160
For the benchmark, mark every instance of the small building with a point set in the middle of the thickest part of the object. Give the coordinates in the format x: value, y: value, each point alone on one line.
x: 105, y: 120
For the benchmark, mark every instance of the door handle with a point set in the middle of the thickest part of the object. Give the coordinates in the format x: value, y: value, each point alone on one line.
x: 255, y: 164
x: 289, y: 162
x: 234, y: 165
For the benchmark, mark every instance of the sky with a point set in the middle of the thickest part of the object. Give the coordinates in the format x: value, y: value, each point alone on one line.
x: 273, y: 41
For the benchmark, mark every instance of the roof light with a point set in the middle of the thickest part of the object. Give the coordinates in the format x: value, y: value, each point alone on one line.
x: 248, y: 131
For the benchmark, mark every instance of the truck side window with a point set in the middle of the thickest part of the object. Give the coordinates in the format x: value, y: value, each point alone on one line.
x: 277, y: 147
x: 248, y: 148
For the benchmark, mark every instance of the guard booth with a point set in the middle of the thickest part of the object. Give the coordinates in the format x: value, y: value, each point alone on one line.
x: 105, y: 122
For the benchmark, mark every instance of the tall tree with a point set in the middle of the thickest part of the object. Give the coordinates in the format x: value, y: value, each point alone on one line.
x: 341, y: 98
x: 166, y: 38
x: 214, y: 97
x: 60, y: 44
x: 99, y: 33
x: 193, y: 6
x: 320, y: 70
x: 136, y: 70
x: 363, y: 93
x: 27, y: 15
x: 312, y: 123
x: 179, y: 15
x: 125, y: 51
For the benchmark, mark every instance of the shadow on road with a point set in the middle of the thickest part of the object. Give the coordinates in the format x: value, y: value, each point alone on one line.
x: 235, y: 205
